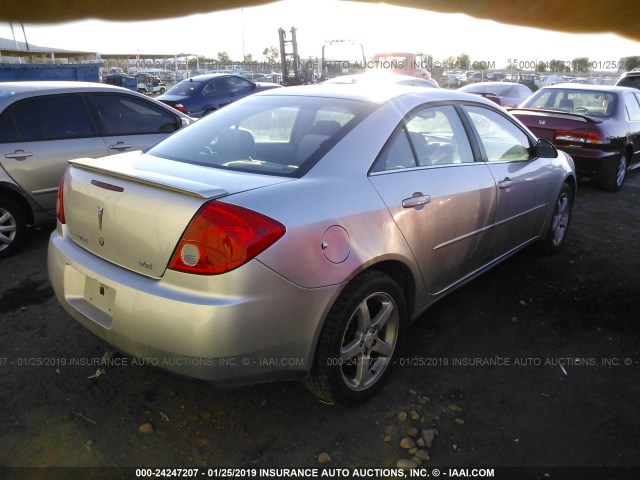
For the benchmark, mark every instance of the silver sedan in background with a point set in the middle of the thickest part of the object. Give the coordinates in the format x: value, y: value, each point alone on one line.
x: 505, y: 94
x: 295, y: 234
x: 43, y: 124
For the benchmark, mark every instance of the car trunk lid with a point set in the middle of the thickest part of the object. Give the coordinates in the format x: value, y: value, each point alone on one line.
x: 132, y: 209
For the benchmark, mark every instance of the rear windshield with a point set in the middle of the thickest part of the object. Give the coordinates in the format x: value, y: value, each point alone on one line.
x: 273, y: 135
x: 631, y: 81
x: 585, y: 102
x: 185, y: 87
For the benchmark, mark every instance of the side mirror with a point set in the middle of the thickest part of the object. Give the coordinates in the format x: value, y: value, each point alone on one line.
x: 545, y: 149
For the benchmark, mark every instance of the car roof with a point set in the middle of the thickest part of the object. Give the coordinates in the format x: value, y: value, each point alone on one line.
x: 13, y: 91
x: 373, y: 93
x: 586, y: 86
x: 506, y: 84
x: 390, y: 77
x: 209, y: 76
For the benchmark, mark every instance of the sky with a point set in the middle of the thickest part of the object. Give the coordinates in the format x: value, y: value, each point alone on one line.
x: 378, y: 27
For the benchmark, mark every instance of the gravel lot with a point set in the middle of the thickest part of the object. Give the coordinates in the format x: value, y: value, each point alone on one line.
x: 535, y: 364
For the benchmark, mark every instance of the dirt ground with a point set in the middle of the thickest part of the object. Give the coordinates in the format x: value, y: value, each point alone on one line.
x: 536, y: 364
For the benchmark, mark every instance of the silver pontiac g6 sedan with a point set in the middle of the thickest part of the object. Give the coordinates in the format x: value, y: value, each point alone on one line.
x: 296, y: 233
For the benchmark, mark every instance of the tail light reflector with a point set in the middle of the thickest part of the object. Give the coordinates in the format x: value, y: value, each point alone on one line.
x: 222, y: 237
x: 60, y: 202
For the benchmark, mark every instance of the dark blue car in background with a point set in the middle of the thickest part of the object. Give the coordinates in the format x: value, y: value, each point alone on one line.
x: 197, y: 96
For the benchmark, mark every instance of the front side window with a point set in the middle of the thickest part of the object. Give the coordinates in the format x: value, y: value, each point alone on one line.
x: 57, y: 117
x: 502, y: 140
x: 128, y: 115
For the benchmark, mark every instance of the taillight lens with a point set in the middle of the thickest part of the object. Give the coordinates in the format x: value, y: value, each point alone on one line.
x: 581, y: 136
x: 60, y: 202
x: 222, y: 237
x: 180, y: 108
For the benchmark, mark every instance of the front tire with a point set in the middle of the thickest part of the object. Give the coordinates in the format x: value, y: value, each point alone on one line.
x: 557, y: 233
x: 359, y: 341
x: 13, y: 226
x: 614, y: 180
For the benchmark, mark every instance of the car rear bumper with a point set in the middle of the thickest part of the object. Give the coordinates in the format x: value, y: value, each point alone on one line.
x: 245, y: 326
x: 591, y: 162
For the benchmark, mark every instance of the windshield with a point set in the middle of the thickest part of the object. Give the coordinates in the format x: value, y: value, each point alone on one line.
x: 585, y: 102
x: 185, y: 87
x: 273, y: 135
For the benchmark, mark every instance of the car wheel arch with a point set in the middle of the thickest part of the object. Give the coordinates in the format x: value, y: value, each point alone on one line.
x: 376, y: 284
x: 397, y: 270
x: 628, y: 151
x: 14, y: 223
x: 15, y: 196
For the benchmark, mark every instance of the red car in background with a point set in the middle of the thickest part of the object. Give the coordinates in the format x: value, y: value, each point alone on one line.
x: 599, y: 126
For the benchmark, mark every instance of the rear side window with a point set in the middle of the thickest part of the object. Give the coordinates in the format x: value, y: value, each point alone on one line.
x: 431, y: 136
x: 57, y: 117
x: 128, y: 115
x: 236, y: 84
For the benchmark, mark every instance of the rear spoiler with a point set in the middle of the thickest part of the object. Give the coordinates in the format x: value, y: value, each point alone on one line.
x: 180, y: 185
x: 540, y: 112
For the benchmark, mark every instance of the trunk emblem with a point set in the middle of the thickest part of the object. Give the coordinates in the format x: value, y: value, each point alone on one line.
x: 100, y: 211
x: 542, y: 122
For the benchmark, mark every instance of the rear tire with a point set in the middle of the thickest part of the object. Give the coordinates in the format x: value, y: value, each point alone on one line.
x: 557, y: 233
x: 615, y: 178
x: 359, y: 341
x: 13, y: 226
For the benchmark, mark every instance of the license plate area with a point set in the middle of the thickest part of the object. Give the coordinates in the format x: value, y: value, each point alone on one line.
x: 91, y: 298
x: 99, y: 295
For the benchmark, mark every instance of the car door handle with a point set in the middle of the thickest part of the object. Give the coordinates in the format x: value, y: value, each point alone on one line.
x: 506, y: 184
x: 120, y: 146
x: 20, y: 154
x: 417, y: 200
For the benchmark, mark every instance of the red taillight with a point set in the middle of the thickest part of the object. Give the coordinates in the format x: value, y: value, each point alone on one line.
x: 222, y: 237
x: 180, y: 108
x: 581, y: 136
x: 60, y: 202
